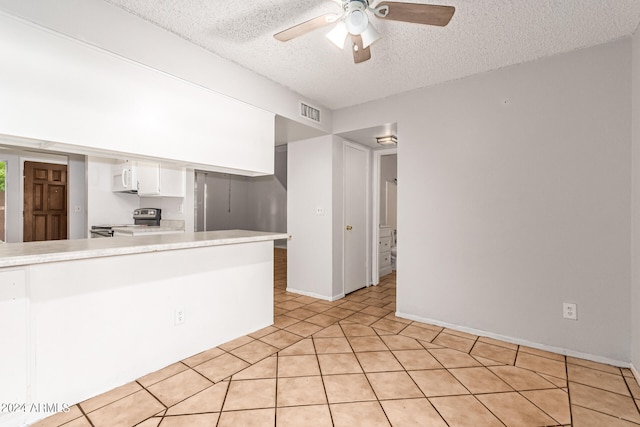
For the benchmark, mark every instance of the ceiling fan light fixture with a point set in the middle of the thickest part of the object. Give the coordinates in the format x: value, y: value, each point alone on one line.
x: 357, y: 21
x: 387, y: 140
x: 338, y: 35
x: 370, y: 36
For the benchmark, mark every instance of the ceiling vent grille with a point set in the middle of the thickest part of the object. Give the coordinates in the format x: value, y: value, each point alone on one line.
x: 309, y: 112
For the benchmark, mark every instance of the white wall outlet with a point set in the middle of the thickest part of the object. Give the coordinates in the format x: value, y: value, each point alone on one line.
x: 570, y: 311
x: 319, y: 211
x: 178, y: 316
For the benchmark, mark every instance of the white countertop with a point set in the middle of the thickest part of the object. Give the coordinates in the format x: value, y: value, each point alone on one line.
x: 143, y: 230
x: 20, y: 254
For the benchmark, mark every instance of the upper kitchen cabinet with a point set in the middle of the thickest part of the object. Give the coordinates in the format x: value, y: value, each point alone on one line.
x: 160, y: 180
x: 66, y: 95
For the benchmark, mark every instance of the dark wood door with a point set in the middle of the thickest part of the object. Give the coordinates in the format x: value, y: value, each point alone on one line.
x: 45, y: 201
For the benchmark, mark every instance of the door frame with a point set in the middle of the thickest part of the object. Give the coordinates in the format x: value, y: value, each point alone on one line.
x: 367, y: 151
x: 375, y: 223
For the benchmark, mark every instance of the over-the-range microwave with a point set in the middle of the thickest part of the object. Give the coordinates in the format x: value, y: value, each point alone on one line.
x: 124, y: 178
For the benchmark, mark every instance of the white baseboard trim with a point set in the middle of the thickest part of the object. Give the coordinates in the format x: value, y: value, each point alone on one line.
x: 314, y: 295
x: 512, y: 340
x: 635, y: 372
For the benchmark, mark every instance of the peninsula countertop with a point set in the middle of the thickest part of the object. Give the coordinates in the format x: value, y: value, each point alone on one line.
x: 21, y: 254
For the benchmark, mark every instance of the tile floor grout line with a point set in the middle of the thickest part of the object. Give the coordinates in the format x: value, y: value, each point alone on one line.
x: 86, y: 416
x: 324, y: 387
x: 618, y: 417
x: 603, y: 389
x: 224, y: 400
x: 203, y: 376
x: 154, y: 396
x: 275, y: 397
x: 548, y: 414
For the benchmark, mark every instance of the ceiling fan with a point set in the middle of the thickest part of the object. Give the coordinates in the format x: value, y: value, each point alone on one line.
x: 354, y: 22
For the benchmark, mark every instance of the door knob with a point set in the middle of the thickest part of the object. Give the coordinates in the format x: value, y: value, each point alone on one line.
x: 349, y: 227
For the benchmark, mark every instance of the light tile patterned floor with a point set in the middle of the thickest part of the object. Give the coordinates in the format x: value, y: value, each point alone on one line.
x: 353, y: 363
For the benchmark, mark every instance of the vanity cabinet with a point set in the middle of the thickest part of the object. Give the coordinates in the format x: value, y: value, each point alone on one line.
x: 160, y: 180
x: 384, y: 250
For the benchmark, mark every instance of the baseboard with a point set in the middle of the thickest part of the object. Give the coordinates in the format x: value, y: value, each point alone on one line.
x: 314, y: 295
x: 512, y: 340
x: 384, y: 271
x: 635, y: 372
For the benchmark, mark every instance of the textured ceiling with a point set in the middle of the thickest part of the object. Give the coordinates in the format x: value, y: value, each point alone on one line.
x: 483, y: 35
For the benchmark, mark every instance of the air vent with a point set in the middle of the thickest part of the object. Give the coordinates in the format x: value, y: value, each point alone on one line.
x: 309, y: 112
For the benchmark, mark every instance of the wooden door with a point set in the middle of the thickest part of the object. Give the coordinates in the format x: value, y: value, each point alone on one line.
x: 45, y: 201
x: 355, y: 215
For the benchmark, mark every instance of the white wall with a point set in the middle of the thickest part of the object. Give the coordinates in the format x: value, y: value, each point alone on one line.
x: 104, y: 206
x: 87, y: 100
x: 94, y: 21
x: 635, y: 209
x: 310, y: 266
x: 77, y: 193
x: 515, y: 197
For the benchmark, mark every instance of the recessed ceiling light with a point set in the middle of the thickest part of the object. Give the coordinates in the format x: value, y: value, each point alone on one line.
x: 387, y: 140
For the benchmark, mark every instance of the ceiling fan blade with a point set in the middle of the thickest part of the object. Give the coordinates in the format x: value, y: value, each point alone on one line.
x: 360, y: 54
x: 427, y: 14
x: 306, y: 27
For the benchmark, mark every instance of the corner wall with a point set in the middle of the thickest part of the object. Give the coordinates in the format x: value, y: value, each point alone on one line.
x: 515, y: 198
x: 635, y: 209
x: 311, y: 267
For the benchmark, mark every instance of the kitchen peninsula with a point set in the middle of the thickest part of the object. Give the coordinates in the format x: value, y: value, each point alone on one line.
x: 85, y: 316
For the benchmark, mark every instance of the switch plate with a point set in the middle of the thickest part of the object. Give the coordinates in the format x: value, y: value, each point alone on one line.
x: 178, y: 316
x: 570, y: 311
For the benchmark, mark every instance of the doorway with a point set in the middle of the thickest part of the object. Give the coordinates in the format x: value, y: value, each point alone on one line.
x: 45, y: 202
x: 385, y: 213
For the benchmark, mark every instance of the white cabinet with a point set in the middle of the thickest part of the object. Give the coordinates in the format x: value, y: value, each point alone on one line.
x: 155, y: 179
x: 384, y: 251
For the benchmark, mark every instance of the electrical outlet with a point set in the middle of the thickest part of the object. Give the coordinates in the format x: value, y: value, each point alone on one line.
x: 178, y: 316
x: 319, y: 211
x: 570, y: 311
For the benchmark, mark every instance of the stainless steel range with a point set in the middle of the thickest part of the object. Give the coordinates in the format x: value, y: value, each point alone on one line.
x: 142, y: 218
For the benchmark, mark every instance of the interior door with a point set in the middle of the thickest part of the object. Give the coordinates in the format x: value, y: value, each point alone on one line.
x: 45, y: 201
x: 355, y: 215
